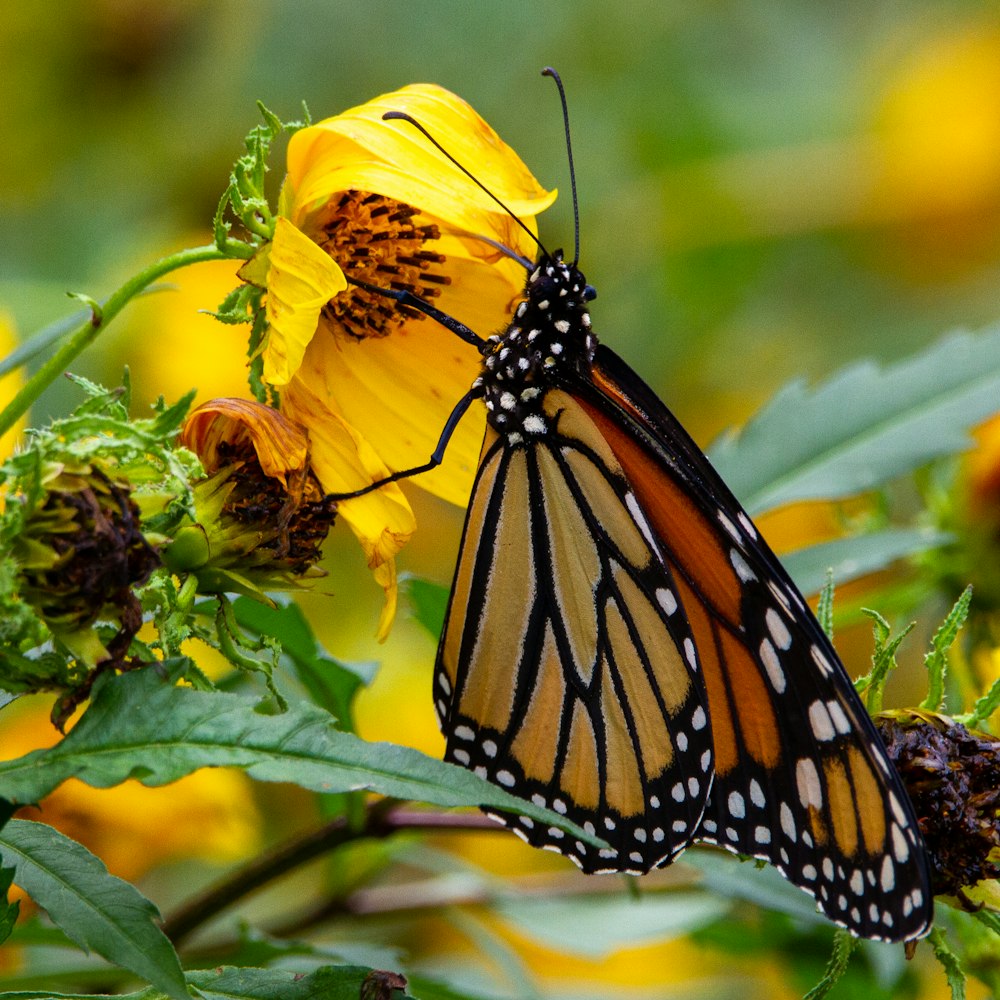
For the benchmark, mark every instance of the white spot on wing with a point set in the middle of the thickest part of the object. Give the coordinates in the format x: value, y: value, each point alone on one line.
x: 840, y: 720
x: 742, y: 567
x: 820, y: 721
x: 666, y: 600
x: 819, y: 658
x: 778, y: 629
x: 807, y: 780
x: 730, y: 527
x: 772, y: 664
x: 787, y: 821
x: 888, y: 879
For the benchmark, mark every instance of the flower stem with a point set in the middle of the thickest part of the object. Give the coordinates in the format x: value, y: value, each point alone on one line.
x: 381, y: 820
x: 82, y: 336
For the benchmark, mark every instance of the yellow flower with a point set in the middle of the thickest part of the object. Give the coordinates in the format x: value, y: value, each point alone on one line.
x: 374, y: 201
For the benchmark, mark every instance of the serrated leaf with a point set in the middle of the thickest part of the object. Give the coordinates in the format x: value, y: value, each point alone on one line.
x: 330, y: 982
x: 843, y: 946
x: 98, y: 911
x: 330, y: 683
x: 949, y: 961
x: 864, y: 426
x: 859, y: 555
x: 140, y: 725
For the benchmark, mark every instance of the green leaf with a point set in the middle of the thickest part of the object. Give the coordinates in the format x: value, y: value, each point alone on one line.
x: 329, y: 982
x: 949, y: 962
x: 428, y: 600
x: 98, y: 911
x: 936, y: 659
x: 883, y: 660
x: 982, y: 709
x: 140, y: 725
x: 8, y: 910
x: 727, y: 877
x: 857, y: 556
x: 864, y: 426
x: 843, y: 946
x: 330, y: 683
x: 326, y: 983
x: 596, y: 925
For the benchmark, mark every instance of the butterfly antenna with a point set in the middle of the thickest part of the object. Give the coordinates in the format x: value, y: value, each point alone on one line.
x: 549, y: 71
x: 403, y: 116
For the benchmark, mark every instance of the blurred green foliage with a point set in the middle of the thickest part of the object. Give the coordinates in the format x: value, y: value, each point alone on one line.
x: 729, y: 218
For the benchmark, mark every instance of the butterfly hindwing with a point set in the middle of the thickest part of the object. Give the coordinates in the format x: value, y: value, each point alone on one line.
x: 566, y: 671
x: 801, y: 777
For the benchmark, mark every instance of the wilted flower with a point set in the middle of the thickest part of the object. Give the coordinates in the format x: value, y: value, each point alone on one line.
x: 261, y: 515
x: 952, y: 775
x: 79, y: 554
x: 373, y: 201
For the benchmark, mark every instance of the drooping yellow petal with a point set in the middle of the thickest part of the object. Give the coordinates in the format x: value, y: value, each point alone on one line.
x: 382, y: 520
x: 301, y: 279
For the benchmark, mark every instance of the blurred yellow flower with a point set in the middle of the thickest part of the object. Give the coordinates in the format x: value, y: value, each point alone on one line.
x: 10, y: 385
x: 172, y: 343
x: 983, y: 472
x: 939, y: 126
x: 374, y: 382
x: 209, y: 815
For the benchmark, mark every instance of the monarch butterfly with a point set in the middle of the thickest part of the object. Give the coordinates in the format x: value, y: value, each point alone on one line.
x: 622, y: 646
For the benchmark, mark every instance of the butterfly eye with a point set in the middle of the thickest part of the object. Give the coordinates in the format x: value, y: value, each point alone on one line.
x: 589, y: 293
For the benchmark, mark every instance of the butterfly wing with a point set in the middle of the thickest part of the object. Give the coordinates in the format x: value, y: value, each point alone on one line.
x: 566, y: 672
x: 801, y: 776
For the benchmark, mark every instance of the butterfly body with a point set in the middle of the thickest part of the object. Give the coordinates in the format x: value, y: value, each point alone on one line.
x: 622, y: 646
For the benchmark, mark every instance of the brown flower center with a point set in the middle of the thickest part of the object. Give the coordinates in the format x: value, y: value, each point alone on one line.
x: 375, y: 240
x: 293, y: 521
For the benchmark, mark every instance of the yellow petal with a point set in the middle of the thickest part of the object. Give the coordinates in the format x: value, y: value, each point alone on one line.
x: 385, y: 576
x: 301, y: 280
x: 358, y: 150
x: 343, y: 461
x: 401, y: 390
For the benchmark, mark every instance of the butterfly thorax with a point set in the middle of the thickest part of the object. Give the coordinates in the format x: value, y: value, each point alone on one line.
x: 550, y: 337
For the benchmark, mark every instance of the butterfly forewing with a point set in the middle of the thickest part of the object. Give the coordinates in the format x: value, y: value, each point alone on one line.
x: 567, y: 672
x: 801, y: 777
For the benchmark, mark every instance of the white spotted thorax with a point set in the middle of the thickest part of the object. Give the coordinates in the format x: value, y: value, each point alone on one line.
x: 550, y: 334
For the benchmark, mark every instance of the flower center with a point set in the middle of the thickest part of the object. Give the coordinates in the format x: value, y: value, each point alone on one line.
x: 375, y: 240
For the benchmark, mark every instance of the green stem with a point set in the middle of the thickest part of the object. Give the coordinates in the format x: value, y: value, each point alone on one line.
x: 87, y: 332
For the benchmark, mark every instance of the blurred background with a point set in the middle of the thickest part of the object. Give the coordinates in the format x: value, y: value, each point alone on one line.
x: 767, y: 191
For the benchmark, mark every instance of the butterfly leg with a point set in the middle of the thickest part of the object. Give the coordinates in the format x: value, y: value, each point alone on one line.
x: 406, y: 298
x: 436, y: 458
